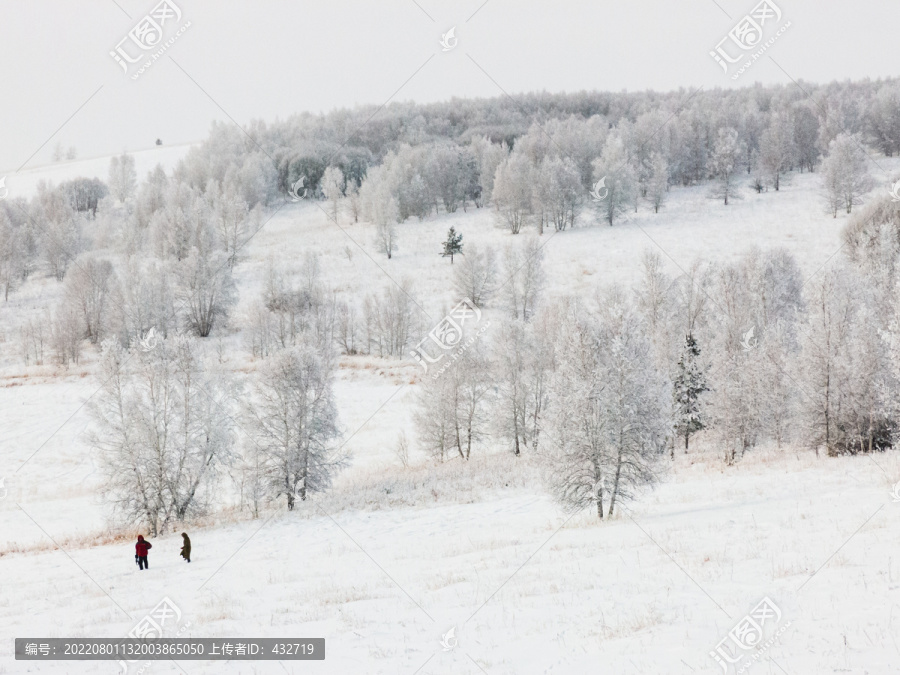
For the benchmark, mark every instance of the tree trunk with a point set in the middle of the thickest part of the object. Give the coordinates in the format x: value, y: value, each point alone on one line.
x: 305, y: 477
x: 827, y: 416
x: 615, y: 490
x: 516, y: 422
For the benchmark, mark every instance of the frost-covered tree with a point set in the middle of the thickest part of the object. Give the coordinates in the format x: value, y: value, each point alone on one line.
x: 844, y: 368
x: 434, y: 417
x: 206, y: 290
x: 163, y: 430
x: 66, y: 334
x: 34, y: 338
x: 637, y: 404
x: 476, y: 275
x: 294, y: 420
x: 522, y: 280
x: 347, y: 328
x: 751, y: 126
x: 776, y: 149
x: 691, y: 300
x: 184, y: 220
x: 354, y: 205
x: 61, y: 242
x: 655, y: 302
x: 824, y: 343
x: 758, y: 180
x: 256, y: 178
x: 382, y: 209
x: 386, y: 237
x: 151, y: 196
x: 12, y: 255
x: 832, y: 194
x: 845, y: 174
x: 404, y: 173
x: 512, y: 400
x: 522, y: 369
x: 806, y: 137
x: 755, y: 337
x: 489, y: 156
x: 575, y: 429
x: 883, y: 119
x: 512, y: 193
x: 57, y: 229
x: 657, y: 188
x: 449, y: 174
x: 84, y: 194
x: 472, y: 392
x: 147, y: 299
x: 295, y: 308
x: 690, y: 135
x: 558, y: 193
x: 725, y: 164
x: 452, y: 412
x: 872, y: 244
x: 890, y: 386
x: 735, y: 406
x: 614, y: 174
x: 122, y: 177
x: 333, y: 188
x: 390, y: 320
x: 234, y: 223
x: 611, y: 410
x: 645, y: 143
x: 775, y: 281
x: 91, y: 286
x: 379, y: 205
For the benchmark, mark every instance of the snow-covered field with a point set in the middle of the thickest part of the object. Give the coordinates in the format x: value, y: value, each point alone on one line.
x: 392, y: 559
x: 528, y: 588
x: 24, y: 183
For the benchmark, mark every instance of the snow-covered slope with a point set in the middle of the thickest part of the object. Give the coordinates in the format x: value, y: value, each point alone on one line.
x: 527, y: 588
x: 481, y: 547
x: 24, y: 182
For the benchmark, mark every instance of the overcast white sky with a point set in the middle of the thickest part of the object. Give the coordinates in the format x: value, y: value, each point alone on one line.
x: 270, y: 58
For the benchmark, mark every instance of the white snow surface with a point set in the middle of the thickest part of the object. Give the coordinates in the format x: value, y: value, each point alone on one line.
x: 24, y: 181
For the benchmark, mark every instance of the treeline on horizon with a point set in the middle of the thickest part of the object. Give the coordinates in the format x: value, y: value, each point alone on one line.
x: 686, y: 121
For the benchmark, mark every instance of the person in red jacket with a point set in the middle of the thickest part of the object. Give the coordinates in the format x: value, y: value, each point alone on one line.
x: 140, y: 552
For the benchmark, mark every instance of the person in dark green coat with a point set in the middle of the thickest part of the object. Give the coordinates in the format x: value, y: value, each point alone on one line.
x: 186, y: 548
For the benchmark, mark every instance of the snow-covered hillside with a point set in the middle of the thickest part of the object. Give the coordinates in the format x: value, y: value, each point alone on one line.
x: 23, y: 183
x: 528, y: 588
x: 393, y: 557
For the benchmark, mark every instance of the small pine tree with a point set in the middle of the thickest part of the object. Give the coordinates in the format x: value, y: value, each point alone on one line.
x: 689, y: 384
x: 453, y: 245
